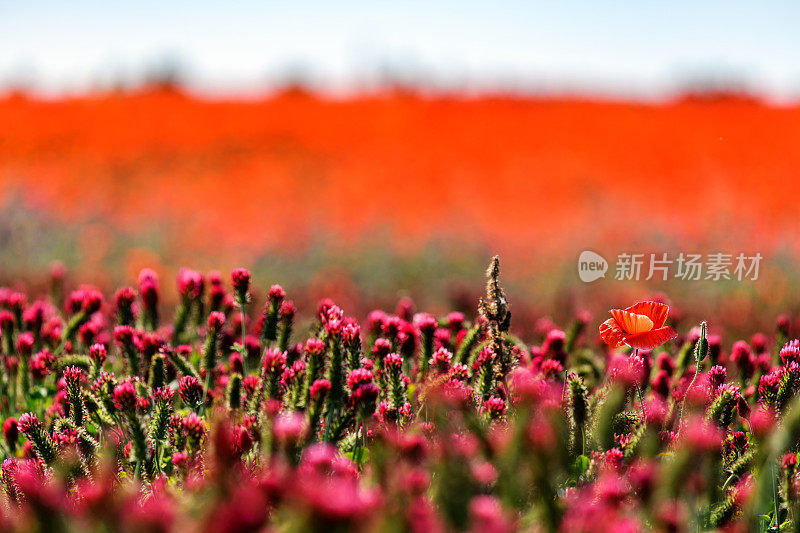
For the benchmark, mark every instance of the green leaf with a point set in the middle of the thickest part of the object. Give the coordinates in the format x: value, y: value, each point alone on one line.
x: 579, y: 467
x: 38, y: 393
x: 359, y: 457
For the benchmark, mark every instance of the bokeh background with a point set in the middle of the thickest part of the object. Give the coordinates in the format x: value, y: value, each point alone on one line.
x: 372, y: 150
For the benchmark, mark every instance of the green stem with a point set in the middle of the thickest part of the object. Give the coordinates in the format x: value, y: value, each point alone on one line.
x: 361, y: 443
x: 775, y: 495
x: 328, y: 422
x: 639, y: 391
x: 205, y: 391
x: 244, y: 346
x: 696, y: 371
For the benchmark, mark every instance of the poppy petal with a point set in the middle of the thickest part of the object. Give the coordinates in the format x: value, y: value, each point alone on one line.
x: 650, y: 339
x: 632, y: 323
x: 655, y: 311
x: 611, y: 333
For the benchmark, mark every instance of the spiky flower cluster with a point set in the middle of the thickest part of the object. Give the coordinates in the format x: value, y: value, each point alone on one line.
x: 412, y: 422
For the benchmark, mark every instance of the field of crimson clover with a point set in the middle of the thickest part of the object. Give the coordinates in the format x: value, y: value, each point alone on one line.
x: 220, y: 417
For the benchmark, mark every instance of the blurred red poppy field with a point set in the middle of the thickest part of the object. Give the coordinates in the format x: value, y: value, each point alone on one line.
x: 127, y: 179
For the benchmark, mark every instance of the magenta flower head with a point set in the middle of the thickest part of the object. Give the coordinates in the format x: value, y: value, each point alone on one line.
x: 290, y: 428
x: 124, y: 297
x: 148, y: 285
x: 194, y: 427
x: 28, y: 422
x: 393, y: 362
x: 358, y: 377
x: 405, y: 308
x: 240, y: 278
x: 11, y: 431
x: 98, y: 353
x: 57, y: 270
x: 441, y: 360
x: 190, y: 283
x: 276, y: 294
x: 702, y: 435
x: 179, y: 459
x: 89, y: 331
x: 73, y: 376
x: 455, y: 321
x: 6, y: 321
x: 554, y: 342
x: 215, y: 321
x: 75, y: 301
x: 485, y: 358
x: 288, y: 310
x: 38, y: 438
x: 163, y: 395
x: 34, y: 315
x: 333, y: 320
x: 381, y: 349
x: 323, y: 306
x: 364, y: 398
x: 495, y: 407
x: 487, y: 515
x: 123, y: 335
x: 742, y: 357
x: 716, y: 377
x: 16, y: 302
x: 392, y: 326
x: 320, y: 388
x: 41, y: 363
x: 190, y: 390
x: 351, y: 332
x: 315, y: 347
x: 274, y: 360
x: 25, y: 344
x: 236, y: 363
x: 783, y: 325
x: 426, y: 323
x: 375, y: 320
x: 790, y: 353
x: 769, y: 385
x: 123, y: 302
x: 551, y: 368
x: 242, y: 440
x: 125, y: 396
x: 759, y: 342
x: 215, y: 278
x: 763, y: 421
x: 92, y: 300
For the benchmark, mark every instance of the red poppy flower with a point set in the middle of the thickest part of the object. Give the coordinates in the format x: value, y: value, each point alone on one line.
x: 639, y: 326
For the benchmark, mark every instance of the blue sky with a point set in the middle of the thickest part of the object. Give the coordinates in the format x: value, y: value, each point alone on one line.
x: 627, y: 48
